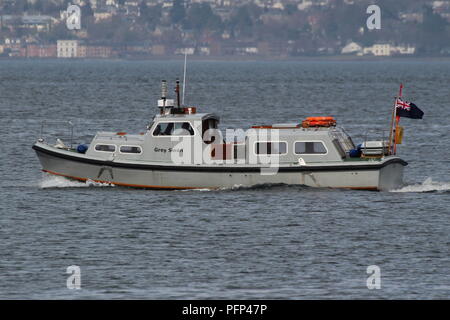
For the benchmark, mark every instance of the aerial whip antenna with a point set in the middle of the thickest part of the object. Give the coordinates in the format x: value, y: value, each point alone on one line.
x: 184, y: 76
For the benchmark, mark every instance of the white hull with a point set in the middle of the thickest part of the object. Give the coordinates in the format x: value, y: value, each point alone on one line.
x: 385, y: 174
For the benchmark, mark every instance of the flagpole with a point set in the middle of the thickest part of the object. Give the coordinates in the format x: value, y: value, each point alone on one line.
x: 394, y: 118
x: 391, y: 128
x: 397, y: 119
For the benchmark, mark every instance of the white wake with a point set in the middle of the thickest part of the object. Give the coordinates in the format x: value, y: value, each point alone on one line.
x: 51, y: 181
x: 427, y: 186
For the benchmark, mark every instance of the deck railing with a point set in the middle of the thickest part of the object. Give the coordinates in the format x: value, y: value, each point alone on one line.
x: 60, y: 129
x: 378, y: 133
x: 344, y: 139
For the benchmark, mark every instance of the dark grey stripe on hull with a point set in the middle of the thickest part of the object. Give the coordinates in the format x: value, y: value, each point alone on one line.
x: 347, y: 167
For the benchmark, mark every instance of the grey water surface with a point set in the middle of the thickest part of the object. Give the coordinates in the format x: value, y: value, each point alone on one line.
x: 271, y: 242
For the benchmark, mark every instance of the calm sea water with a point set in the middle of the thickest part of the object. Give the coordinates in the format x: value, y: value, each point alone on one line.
x: 266, y: 242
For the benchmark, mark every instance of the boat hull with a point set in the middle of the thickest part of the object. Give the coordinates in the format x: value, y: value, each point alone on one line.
x: 385, y: 175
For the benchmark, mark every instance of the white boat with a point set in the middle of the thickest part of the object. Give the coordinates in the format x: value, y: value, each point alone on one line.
x: 184, y: 149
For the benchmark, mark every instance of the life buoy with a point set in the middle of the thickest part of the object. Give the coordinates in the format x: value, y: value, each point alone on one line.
x: 318, y: 122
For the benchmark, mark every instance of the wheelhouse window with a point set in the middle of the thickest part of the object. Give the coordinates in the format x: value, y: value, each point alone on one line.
x: 208, y: 124
x: 130, y: 149
x: 316, y: 147
x: 271, y: 148
x: 173, y: 129
x: 105, y: 147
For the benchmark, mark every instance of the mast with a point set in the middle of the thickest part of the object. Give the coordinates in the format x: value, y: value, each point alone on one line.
x: 394, y: 122
x: 164, y: 103
x: 184, y: 76
x: 164, y: 94
x: 391, y: 128
x: 397, y: 120
x: 164, y: 90
x: 177, y: 91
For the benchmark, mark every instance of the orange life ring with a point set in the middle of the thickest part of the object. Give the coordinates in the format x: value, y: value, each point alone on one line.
x: 318, y: 122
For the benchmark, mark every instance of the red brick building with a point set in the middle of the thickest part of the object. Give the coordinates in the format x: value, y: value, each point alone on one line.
x: 98, y: 52
x: 40, y: 51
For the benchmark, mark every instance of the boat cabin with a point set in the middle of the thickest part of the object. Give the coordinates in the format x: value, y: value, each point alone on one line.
x: 171, y: 133
x: 182, y: 133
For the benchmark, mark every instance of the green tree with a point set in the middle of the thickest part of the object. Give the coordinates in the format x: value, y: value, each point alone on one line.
x: 59, y: 31
x: 86, y: 10
x: 201, y: 17
x: 433, y: 32
x: 241, y: 22
x: 290, y: 8
x: 15, y: 7
x: 150, y: 16
x: 178, y: 12
x: 433, y: 23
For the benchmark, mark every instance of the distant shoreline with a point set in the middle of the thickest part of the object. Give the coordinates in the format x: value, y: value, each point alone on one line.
x: 338, y: 58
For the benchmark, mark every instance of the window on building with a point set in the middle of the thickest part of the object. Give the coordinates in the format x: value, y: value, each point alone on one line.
x: 310, y: 148
x: 271, y: 148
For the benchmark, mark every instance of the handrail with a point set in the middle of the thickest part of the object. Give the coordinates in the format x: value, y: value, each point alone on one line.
x: 383, y: 135
x: 343, y: 137
x: 57, y: 122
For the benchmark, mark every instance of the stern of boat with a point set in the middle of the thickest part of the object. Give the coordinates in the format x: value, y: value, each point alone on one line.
x: 391, y: 175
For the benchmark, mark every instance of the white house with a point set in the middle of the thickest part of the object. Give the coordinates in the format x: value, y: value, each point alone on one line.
x: 352, y: 48
x: 188, y: 51
x: 102, y: 15
x: 205, y: 51
x: 67, y: 48
x: 383, y: 49
x: 305, y: 4
x: 403, y: 50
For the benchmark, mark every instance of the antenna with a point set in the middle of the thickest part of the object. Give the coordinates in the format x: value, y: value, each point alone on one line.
x: 184, y: 76
x: 177, y: 90
x: 163, y: 89
x: 163, y: 94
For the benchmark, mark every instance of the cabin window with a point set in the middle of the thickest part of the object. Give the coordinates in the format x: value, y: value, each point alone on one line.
x: 208, y: 124
x: 173, y: 129
x: 130, y: 149
x: 310, y: 148
x: 105, y: 147
x: 271, y: 148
